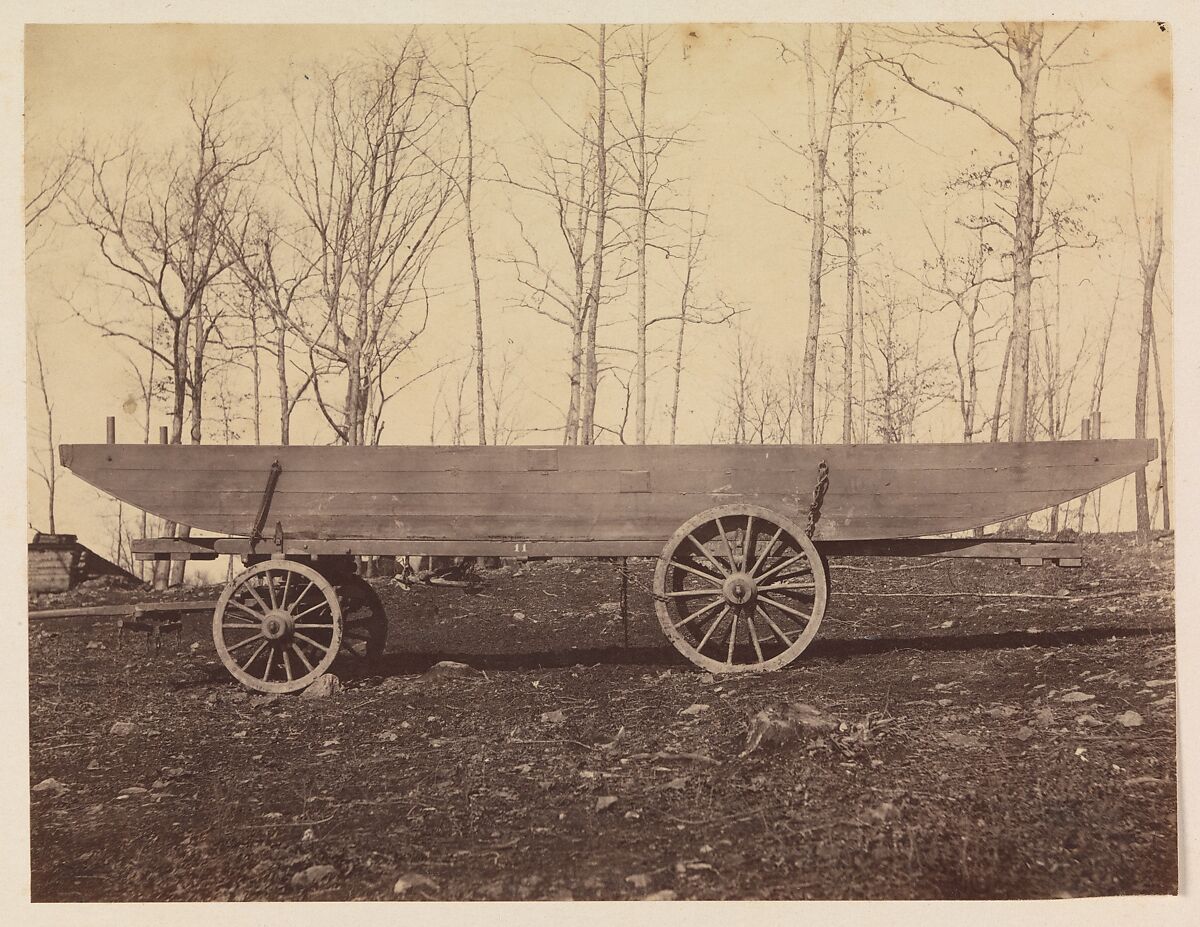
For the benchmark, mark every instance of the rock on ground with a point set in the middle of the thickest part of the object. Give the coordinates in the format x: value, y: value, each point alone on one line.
x: 448, y: 669
x: 781, y: 723
x: 312, y: 876
x: 323, y: 687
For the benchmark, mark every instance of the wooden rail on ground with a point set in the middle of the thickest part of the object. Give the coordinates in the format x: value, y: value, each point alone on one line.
x: 129, y: 609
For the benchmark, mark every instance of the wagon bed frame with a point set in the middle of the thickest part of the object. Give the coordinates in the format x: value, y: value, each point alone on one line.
x: 1027, y: 552
x: 725, y: 601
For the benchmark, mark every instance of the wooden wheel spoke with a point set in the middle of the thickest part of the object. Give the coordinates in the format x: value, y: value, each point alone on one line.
x: 732, y: 635
x: 303, y: 658
x: 270, y: 662
x: 253, y: 656
x: 715, y: 580
x: 766, y: 553
x: 312, y: 608
x: 258, y: 616
x: 242, y: 643
x: 712, y: 627
x: 786, y: 608
x: 687, y: 593
x: 787, y: 641
x: 270, y: 578
x: 314, y: 627
x: 697, y: 613
x: 746, y: 543
x: 245, y: 626
x: 806, y: 587
x: 257, y: 598
x: 779, y: 566
x: 725, y: 539
x: 711, y: 559
x: 309, y: 640
x: 753, y: 632
x: 300, y: 598
x: 287, y: 664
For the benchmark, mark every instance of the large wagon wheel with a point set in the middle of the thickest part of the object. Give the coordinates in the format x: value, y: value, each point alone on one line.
x: 278, y: 626
x: 364, y: 620
x: 740, y: 589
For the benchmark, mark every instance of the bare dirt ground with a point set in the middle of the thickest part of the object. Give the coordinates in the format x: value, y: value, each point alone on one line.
x: 989, y: 747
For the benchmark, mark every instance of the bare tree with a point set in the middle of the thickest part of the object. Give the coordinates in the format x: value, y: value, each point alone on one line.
x: 1096, y: 395
x: 639, y: 155
x: 275, y: 276
x: 1021, y: 47
x: 904, y: 387
x: 161, y: 235
x: 849, y: 197
x: 46, y: 188
x: 1164, y: 493
x: 1150, y: 248
x: 46, y: 468
x: 363, y: 169
x: 1055, y: 378
x: 463, y: 91
x: 823, y: 84
x: 961, y: 278
x: 575, y: 182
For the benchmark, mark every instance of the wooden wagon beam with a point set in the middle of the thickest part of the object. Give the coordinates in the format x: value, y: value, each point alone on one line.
x: 1028, y: 552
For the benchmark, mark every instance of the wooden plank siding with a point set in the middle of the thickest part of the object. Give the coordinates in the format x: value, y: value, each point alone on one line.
x: 597, y: 495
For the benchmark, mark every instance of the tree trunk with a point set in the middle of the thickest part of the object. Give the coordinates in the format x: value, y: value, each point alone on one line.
x: 256, y: 377
x: 1000, y: 389
x: 480, y: 423
x: 179, y: 364
x: 643, y: 211
x: 51, y: 475
x: 1162, y: 433
x: 591, y: 369
x: 816, y: 254
x: 851, y: 271
x: 819, y: 126
x: 179, y: 567
x: 683, y: 306
x: 571, y: 432
x: 1029, y: 64
x: 285, y: 401
x: 1150, y: 260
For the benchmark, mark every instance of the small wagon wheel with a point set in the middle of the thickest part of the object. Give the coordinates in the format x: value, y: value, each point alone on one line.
x: 364, y: 620
x: 740, y: 589
x: 278, y: 626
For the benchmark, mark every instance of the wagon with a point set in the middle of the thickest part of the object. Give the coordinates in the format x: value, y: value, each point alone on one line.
x: 742, y: 534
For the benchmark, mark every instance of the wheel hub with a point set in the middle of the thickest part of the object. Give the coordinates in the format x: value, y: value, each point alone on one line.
x: 739, y: 588
x: 277, y: 624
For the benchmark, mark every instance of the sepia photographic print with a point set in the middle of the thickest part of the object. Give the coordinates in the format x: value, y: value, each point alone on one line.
x: 600, y: 461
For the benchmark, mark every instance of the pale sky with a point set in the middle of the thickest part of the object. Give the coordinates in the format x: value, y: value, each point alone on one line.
x: 727, y: 88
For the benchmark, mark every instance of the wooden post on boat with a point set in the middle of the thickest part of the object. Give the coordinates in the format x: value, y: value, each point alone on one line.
x: 1095, y: 424
x: 1085, y: 430
x: 110, y: 430
x: 162, y: 434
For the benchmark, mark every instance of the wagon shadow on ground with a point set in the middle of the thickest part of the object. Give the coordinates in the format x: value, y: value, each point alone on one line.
x: 405, y: 663
x: 415, y: 662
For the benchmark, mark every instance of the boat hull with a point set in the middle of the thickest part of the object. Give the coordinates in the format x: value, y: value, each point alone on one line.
x: 623, y: 495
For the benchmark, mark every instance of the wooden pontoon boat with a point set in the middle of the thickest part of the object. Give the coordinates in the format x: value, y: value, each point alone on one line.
x: 742, y: 533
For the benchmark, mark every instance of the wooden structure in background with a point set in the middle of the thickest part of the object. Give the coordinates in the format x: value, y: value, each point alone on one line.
x: 58, y: 562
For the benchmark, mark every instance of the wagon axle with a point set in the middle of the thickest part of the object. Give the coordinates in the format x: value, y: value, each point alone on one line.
x: 739, y: 589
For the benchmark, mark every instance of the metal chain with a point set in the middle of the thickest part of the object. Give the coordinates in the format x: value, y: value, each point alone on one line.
x: 814, y: 509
